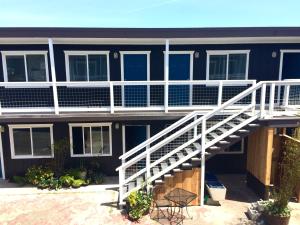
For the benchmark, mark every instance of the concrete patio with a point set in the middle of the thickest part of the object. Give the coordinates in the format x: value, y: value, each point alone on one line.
x: 95, y: 205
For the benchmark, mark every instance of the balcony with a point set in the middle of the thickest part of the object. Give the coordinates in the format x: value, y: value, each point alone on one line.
x: 116, y: 96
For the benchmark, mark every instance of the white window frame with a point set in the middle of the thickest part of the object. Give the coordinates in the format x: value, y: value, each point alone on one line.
x: 29, y: 126
x: 282, y: 51
x: 147, y: 53
x: 85, y: 53
x: 227, y: 53
x: 24, y: 54
x: 90, y: 125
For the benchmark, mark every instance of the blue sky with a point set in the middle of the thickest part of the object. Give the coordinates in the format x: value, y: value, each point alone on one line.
x: 149, y: 13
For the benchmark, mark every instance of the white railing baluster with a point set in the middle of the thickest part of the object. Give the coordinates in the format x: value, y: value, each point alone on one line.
x: 203, y: 143
x: 112, y: 103
x: 166, y: 85
x: 262, y: 100
x: 286, y: 96
x: 148, y: 173
x: 220, y: 93
x: 271, y: 101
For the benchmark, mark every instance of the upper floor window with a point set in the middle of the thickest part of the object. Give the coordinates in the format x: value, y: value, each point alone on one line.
x: 87, y: 66
x: 31, y: 141
x: 227, y: 65
x: 20, y: 66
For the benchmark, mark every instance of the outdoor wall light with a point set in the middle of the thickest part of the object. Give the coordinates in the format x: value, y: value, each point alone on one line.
x: 117, y: 126
x: 196, y: 55
x: 274, y: 54
x: 116, y: 55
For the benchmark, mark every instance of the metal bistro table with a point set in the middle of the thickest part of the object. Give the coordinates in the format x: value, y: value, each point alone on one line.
x: 181, y: 198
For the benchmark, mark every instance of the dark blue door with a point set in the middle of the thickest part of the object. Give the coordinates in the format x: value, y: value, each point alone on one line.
x: 135, y: 69
x: 179, y: 69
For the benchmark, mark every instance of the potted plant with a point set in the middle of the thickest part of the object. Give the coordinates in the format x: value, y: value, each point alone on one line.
x: 277, y: 211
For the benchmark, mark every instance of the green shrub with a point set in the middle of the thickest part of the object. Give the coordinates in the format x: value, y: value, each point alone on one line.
x: 37, y: 174
x: 96, y: 177
x: 77, y: 173
x: 66, y: 180
x: 20, y: 181
x: 78, y: 183
x: 139, y: 204
x: 52, y: 183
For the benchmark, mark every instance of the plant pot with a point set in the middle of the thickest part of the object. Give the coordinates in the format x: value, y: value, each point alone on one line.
x: 276, y: 220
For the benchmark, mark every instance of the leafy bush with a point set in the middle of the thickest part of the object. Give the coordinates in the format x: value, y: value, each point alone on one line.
x: 20, y: 181
x: 139, y: 204
x: 66, y: 180
x: 38, y: 174
x: 96, y: 177
x: 78, y: 183
x: 77, y: 173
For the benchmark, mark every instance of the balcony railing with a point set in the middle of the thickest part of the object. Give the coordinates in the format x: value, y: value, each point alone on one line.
x: 122, y: 96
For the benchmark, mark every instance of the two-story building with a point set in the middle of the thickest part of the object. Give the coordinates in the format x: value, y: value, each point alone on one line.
x: 107, y: 90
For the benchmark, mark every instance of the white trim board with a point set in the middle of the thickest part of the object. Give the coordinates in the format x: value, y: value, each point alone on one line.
x: 24, y: 54
x: 90, y: 125
x: 227, y: 53
x: 85, y: 53
x: 29, y: 126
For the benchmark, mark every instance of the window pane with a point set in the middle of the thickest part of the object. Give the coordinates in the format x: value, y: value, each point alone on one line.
x: 97, y: 67
x: 78, y: 69
x: 237, y: 66
x: 217, y: 67
x: 22, y: 141
x: 106, y: 143
x: 77, y: 140
x: 87, y: 140
x: 41, y: 141
x: 36, y: 68
x: 15, y: 68
x: 97, y: 140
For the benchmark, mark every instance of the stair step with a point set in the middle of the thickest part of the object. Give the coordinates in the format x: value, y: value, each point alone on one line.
x: 131, y: 185
x: 155, y: 170
x: 223, y: 142
x: 163, y: 165
x: 196, y: 159
x: 139, y: 181
x: 172, y: 160
x: 223, y: 130
x: 176, y: 170
x: 234, y: 136
x: 243, y: 131
x: 168, y: 175
x: 197, y: 146
x: 214, y: 147
x: 180, y: 155
x: 231, y: 124
x: 253, y: 125
x: 240, y: 119
x: 186, y: 164
x: 214, y: 135
x: 188, y: 150
x: 160, y: 181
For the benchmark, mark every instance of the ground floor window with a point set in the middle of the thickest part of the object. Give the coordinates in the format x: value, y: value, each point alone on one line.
x: 31, y: 141
x: 92, y: 139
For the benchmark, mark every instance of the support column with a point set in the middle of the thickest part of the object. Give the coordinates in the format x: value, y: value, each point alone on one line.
x: 166, y: 92
x: 53, y: 75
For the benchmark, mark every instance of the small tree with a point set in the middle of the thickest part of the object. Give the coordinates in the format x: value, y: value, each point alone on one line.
x: 289, y: 176
x: 61, y: 152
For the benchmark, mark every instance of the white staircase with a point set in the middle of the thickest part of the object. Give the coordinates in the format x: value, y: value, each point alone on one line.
x: 195, y: 137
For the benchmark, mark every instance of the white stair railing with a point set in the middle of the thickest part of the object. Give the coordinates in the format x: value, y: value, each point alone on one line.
x: 192, y: 128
